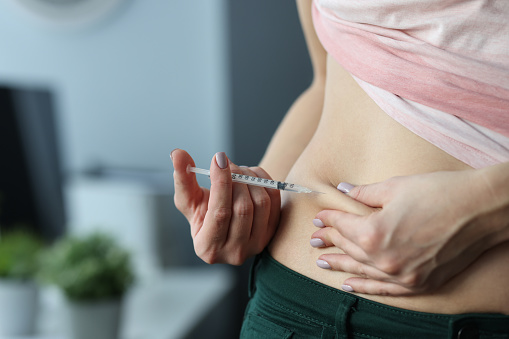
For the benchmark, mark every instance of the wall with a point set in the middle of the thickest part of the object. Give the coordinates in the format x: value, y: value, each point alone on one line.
x: 203, y: 75
x: 150, y: 77
x: 269, y: 68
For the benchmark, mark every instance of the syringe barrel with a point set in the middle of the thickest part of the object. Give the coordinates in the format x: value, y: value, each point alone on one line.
x: 256, y: 181
x: 247, y: 179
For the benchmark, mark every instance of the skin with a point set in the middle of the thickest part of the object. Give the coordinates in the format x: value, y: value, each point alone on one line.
x: 399, y: 253
x: 421, y: 230
x: 230, y: 222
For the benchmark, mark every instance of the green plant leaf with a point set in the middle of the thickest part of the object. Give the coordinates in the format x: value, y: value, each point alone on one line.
x: 88, y: 268
x: 19, y: 255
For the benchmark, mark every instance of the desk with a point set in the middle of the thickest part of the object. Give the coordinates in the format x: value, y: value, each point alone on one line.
x: 171, y: 305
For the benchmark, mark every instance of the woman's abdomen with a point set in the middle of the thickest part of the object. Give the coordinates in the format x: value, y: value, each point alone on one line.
x: 357, y: 142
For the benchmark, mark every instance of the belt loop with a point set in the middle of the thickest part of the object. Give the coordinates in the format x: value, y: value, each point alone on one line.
x: 342, y: 314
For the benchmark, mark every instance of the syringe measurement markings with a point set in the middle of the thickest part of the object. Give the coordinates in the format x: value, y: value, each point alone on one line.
x: 250, y: 180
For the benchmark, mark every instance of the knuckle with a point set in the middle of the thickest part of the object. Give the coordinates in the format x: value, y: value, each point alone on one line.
x: 243, y: 208
x: 383, y: 291
x: 208, y: 256
x: 207, y: 259
x: 370, y: 241
x: 211, y: 260
x: 390, y: 265
x: 361, y: 271
x: 223, y: 215
x: 262, y: 201
x: 358, y: 192
x: 411, y: 280
x: 239, y: 238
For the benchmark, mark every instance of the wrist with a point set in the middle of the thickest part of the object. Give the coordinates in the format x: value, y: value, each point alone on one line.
x: 495, y: 181
x: 493, y: 209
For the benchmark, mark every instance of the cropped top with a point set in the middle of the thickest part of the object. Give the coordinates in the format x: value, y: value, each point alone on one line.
x: 438, y: 67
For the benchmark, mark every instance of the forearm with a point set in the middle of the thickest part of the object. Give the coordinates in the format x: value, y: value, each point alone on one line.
x: 294, y: 132
x: 301, y: 121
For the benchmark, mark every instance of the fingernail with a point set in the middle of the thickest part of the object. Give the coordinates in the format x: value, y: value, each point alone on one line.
x: 347, y: 288
x: 318, y: 223
x: 171, y: 153
x: 317, y: 242
x: 323, y: 264
x: 221, y: 160
x: 345, y: 187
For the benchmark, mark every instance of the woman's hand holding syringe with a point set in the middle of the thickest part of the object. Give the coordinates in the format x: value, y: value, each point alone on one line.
x: 230, y: 222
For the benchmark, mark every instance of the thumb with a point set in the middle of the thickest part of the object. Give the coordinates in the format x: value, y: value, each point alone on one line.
x: 374, y: 195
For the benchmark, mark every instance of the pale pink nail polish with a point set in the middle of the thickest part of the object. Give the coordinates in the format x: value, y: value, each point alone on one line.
x: 221, y: 160
x: 323, y: 264
x: 317, y: 242
x: 347, y: 288
x: 318, y: 223
x: 345, y: 187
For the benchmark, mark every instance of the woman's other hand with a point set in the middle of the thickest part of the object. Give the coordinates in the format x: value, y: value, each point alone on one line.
x: 427, y: 229
x: 230, y: 222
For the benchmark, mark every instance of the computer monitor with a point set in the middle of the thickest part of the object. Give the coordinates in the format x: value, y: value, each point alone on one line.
x: 30, y: 168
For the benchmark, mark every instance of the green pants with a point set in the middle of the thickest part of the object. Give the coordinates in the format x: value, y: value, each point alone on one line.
x: 285, y: 304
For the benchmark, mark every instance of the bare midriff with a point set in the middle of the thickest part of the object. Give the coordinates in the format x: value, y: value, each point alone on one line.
x: 357, y: 142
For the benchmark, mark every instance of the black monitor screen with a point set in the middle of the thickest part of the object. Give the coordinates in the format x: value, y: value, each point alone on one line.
x: 30, y: 170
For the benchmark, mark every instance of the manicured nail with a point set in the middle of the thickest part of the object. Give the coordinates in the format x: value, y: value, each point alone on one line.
x: 323, y: 264
x: 171, y: 154
x: 221, y: 160
x: 318, y: 223
x: 347, y: 288
x: 317, y: 242
x: 345, y: 187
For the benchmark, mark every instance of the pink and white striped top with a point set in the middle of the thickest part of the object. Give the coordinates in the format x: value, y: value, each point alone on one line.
x: 438, y: 67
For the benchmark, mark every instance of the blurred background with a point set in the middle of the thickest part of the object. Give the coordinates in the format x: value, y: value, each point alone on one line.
x: 94, y: 95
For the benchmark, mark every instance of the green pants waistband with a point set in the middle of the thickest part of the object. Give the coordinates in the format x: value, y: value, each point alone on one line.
x: 287, y: 304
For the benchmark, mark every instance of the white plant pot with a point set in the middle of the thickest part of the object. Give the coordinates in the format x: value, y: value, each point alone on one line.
x: 96, y: 319
x: 18, y: 307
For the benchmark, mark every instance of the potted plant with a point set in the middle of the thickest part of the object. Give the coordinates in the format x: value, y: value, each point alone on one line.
x: 19, y: 252
x: 94, y: 273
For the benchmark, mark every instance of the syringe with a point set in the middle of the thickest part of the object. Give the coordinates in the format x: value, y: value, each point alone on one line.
x: 256, y: 181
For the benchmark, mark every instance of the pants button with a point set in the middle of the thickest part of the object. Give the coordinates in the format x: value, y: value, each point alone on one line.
x: 469, y: 331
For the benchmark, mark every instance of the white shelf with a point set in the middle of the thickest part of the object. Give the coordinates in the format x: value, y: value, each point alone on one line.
x: 165, y: 307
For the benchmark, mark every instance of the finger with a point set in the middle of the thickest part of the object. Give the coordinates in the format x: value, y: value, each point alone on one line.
x: 242, y: 217
x: 275, y: 203
x: 261, y: 213
x: 326, y: 236
x: 357, y: 229
x: 187, y: 191
x: 219, y: 213
x: 345, y: 263
x: 375, y: 287
x: 331, y: 237
x: 374, y: 195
